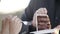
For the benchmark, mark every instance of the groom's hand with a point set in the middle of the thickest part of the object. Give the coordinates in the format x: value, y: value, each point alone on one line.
x: 43, y: 22
x: 42, y: 19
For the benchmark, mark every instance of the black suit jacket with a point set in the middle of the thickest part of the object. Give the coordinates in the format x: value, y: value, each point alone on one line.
x: 53, y: 7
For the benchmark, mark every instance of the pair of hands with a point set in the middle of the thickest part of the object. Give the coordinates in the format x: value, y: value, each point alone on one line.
x: 11, y: 25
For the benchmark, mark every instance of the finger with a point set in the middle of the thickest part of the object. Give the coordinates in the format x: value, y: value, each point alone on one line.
x: 41, y: 11
x: 45, y: 10
x: 15, y: 25
x: 43, y: 20
x: 49, y: 26
x: 14, y: 18
x: 18, y: 20
x: 3, y: 21
x: 5, y: 26
x: 58, y: 27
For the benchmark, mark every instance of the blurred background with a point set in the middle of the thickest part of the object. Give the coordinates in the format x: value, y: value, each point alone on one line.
x: 13, y: 7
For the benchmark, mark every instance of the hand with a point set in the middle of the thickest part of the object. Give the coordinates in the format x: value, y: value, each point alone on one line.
x: 11, y: 25
x: 43, y: 20
x: 41, y: 11
x: 15, y: 25
x: 5, y: 25
x: 58, y: 27
x: 56, y: 31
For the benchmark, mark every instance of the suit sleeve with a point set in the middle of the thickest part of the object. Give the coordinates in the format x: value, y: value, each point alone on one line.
x: 27, y: 16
